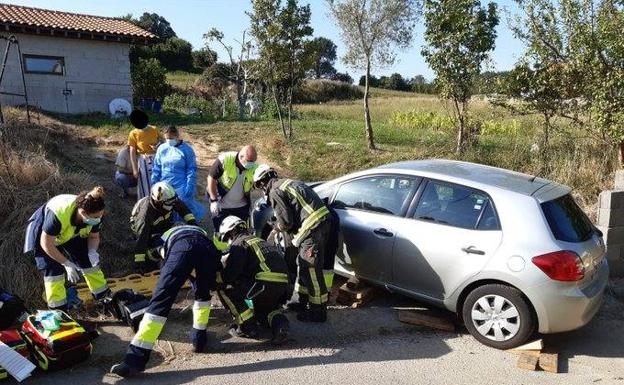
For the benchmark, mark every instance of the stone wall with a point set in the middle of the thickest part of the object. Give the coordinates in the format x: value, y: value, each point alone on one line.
x: 95, y: 71
x: 610, y: 221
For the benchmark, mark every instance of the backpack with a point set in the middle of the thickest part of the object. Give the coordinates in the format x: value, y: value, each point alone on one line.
x: 56, y: 349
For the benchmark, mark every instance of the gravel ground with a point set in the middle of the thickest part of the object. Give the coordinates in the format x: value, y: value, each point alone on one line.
x: 364, y: 346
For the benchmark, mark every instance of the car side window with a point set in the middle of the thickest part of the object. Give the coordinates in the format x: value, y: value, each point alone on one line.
x: 382, y: 194
x: 456, y: 206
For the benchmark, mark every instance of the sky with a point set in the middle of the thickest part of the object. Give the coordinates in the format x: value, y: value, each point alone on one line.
x: 190, y: 19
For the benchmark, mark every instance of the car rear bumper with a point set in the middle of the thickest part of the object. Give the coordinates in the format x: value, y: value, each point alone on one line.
x: 561, y: 309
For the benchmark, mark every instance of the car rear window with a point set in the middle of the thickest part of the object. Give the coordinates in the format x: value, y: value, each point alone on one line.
x: 567, y: 221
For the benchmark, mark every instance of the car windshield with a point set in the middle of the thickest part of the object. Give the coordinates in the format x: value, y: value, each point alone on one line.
x: 567, y: 221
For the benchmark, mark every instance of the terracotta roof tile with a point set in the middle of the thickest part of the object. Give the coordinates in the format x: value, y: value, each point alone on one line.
x: 46, y: 18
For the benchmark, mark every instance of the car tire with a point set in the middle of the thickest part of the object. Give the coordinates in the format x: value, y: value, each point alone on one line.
x: 498, y: 316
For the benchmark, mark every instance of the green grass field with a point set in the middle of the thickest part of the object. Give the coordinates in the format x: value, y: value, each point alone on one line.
x: 181, y: 79
x: 329, y: 139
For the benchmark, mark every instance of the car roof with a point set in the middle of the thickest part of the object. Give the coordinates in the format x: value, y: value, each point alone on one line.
x: 477, y: 173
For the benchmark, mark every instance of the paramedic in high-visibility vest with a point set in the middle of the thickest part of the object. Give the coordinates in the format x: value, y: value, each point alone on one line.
x: 230, y: 181
x: 65, y: 235
x: 299, y: 211
x: 185, y: 248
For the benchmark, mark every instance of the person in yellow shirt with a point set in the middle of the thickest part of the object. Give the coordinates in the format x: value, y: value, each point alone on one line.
x: 142, y: 141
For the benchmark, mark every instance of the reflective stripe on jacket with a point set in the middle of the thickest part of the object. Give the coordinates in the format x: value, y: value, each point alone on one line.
x: 231, y: 172
x: 252, y: 258
x: 297, y: 206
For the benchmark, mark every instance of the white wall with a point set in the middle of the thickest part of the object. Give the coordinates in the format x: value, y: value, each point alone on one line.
x: 95, y: 71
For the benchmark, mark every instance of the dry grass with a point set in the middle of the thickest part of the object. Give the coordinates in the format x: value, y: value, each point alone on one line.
x: 38, y: 162
x: 29, y: 179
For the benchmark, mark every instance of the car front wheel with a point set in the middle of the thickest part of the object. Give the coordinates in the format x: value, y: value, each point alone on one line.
x: 498, y: 316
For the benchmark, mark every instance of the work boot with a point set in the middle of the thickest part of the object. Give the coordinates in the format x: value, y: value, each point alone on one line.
x: 279, y: 329
x: 124, y: 370
x: 315, y: 313
x: 301, y: 305
x: 199, y: 340
x: 248, y: 329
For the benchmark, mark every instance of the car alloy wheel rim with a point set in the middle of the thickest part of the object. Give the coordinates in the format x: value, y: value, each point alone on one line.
x: 495, y: 318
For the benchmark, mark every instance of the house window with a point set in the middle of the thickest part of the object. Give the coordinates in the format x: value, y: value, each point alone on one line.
x: 37, y: 64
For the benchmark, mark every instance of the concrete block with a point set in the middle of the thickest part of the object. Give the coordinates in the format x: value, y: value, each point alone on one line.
x: 612, y: 235
x: 615, y: 257
x: 610, y: 217
x: 611, y: 200
x: 619, y: 180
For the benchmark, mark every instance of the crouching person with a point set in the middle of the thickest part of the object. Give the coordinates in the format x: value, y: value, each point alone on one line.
x: 64, y: 235
x: 151, y: 217
x: 186, y: 248
x: 255, y: 274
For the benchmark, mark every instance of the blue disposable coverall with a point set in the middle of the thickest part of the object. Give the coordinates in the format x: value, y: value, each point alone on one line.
x: 177, y: 166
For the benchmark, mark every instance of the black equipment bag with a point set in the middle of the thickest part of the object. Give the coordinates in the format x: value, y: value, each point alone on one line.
x: 129, y: 306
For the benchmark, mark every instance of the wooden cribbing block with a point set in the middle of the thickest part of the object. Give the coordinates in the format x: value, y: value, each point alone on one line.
x: 549, y: 361
x: 355, y: 298
x: 426, y: 318
x: 355, y: 283
x: 534, y: 345
x: 528, y: 361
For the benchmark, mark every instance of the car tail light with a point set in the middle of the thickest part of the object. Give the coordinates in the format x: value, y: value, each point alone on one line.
x: 561, y: 265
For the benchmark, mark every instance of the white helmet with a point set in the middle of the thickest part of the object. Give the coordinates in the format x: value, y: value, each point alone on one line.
x: 263, y: 171
x: 230, y: 223
x: 163, y: 192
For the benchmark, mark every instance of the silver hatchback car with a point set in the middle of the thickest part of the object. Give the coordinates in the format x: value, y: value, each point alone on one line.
x: 509, y: 253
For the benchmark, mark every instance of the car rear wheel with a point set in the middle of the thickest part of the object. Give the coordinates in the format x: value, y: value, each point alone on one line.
x: 498, y: 316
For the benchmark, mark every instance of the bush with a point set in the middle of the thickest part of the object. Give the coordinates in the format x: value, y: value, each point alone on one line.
x: 149, y: 80
x: 189, y: 104
x: 321, y: 91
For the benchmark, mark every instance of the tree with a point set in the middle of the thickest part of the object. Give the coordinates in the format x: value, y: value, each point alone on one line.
x: 281, y: 33
x: 459, y: 36
x: 217, y: 79
x: 149, y: 79
x: 371, y: 31
x: 204, y: 58
x: 584, y: 38
x: 342, y: 77
x: 174, y: 54
x: 240, y: 64
x: 535, y: 88
x: 419, y: 84
x: 321, y: 52
x: 155, y: 24
x: 396, y: 82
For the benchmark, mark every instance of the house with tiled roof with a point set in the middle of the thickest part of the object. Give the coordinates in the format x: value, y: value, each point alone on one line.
x: 71, y: 63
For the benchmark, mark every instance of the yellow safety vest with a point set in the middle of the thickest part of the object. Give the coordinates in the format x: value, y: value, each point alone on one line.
x: 63, y: 207
x: 231, y: 172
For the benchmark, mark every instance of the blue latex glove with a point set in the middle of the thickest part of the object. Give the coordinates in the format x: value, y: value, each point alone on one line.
x: 199, y: 340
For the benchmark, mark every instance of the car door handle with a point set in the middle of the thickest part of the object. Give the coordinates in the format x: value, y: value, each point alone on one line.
x: 472, y: 250
x: 383, y: 232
